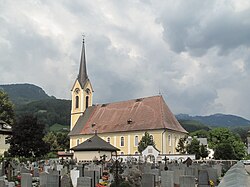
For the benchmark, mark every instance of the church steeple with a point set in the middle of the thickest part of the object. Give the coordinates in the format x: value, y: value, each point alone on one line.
x: 82, y: 91
x: 83, y: 76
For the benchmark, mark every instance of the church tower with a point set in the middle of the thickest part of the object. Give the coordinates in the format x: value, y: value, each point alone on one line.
x: 82, y: 91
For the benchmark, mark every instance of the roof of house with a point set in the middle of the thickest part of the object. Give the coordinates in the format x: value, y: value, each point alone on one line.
x: 95, y: 143
x: 150, y: 113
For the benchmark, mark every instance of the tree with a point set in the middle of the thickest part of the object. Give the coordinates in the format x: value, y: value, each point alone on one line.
x: 6, y: 109
x: 181, y: 147
x: 57, y: 141
x: 146, y: 140
x: 224, y: 151
x: 232, y: 143
x: 194, y: 148
x: 203, y: 151
x: 27, y: 138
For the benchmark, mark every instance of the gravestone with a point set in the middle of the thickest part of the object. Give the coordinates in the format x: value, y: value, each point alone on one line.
x: 187, y: 181
x: 36, y: 172
x: 212, y: 174
x: 84, y: 182
x: 3, y: 183
x: 189, y: 171
x: 177, y: 174
x: 49, y: 180
x: 66, y: 181
x: 155, y: 172
x: 53, y: 180
x: 167, y: 179
x: 26, y: 180
x: 74, y: 174
x: 95, y: 176
x: 11, y: 184
x: 218, y: 167
x: 203, y: 178
x: 148, y: 180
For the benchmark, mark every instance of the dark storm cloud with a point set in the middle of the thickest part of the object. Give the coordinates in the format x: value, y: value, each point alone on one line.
x: 197, y: 26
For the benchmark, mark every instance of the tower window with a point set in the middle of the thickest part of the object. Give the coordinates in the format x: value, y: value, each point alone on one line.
x: 77, y: 101
x: 87, y: 101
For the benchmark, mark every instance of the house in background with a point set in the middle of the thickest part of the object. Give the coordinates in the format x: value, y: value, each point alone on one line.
x: 122, y: 124
x: 5, y: 133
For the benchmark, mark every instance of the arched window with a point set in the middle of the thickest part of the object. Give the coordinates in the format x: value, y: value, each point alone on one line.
x: 77, y: 142
x: 87, y: 101
x: 108, y: 139
x: 77, y: 101
x: 136, y: 141
x: 169, y: 140
x: 122, y: 141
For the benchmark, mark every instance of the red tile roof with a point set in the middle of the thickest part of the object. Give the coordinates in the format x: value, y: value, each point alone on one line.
x: 148, y: 113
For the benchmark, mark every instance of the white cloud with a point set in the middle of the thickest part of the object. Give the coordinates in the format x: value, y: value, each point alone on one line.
x: 196, y: 53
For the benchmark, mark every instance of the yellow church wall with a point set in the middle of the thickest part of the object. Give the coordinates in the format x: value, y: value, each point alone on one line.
x: 76, y: 112
x: 90, y: 155
x: 161, y: 139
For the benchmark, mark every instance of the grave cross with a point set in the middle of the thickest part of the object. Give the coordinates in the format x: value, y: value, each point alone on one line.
x: 165, y: 159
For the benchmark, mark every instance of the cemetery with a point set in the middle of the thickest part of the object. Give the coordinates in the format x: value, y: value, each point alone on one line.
x: 115, y: 172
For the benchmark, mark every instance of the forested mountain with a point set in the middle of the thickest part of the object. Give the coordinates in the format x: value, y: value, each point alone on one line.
x: 55, y: 113
x: 31, y: 99
x: 24, y: 93
x: 219, y: 120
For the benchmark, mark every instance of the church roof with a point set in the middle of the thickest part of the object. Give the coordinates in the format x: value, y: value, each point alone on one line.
x: 82, y: 76
x: 150, y: 113
x: 95, y: 143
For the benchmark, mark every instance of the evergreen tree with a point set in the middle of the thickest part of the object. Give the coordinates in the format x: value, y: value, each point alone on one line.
x: 6, y: 109
x: 146, y: 140
x: 181, y: 147
x: 203, y: 151
x: 194, y: 148
x: 27, y: 138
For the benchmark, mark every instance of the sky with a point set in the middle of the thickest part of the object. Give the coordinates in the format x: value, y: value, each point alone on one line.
x: 195, y: 53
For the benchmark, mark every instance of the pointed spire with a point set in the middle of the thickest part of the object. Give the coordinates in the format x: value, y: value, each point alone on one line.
x: 83, y: 76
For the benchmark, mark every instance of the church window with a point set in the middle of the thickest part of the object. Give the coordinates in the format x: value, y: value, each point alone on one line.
x: 108, y: 139
x: 122, y: 141
x: 87, y: 101
x: 122, y: 153
x: 77, y: 101
x: 77, y: 141
x: 136, y: 140
x: 169, y: 140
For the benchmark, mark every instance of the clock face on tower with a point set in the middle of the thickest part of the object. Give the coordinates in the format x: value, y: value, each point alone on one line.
x: 88, y: 91
x: 77, y: 90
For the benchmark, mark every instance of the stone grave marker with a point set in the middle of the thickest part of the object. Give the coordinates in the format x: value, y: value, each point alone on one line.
x: 155, y: 172
x: 49, y: 180
x: 187, y: 181
x: 84, y: 182
x: 167, y: 179
x: 203, y: 178
x: 36, y: 172
x: 59, y: 167
x: 53, y: 180
x: 218, y: 167
x: 74, y: 174
x: 3, y: 183
x: 26, y: 179
x: 212, y: 174
x: 11, y: 184
x: 95, y: 176
x: 43, y: 179
x: 177, y: 174
x: 46, y: 168
x: 189, y: 171
x: 148, y: 180
x: 64, y: 171
x: 66, y: 181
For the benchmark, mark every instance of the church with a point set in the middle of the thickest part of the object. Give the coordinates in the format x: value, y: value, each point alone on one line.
x: 122, y: 124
